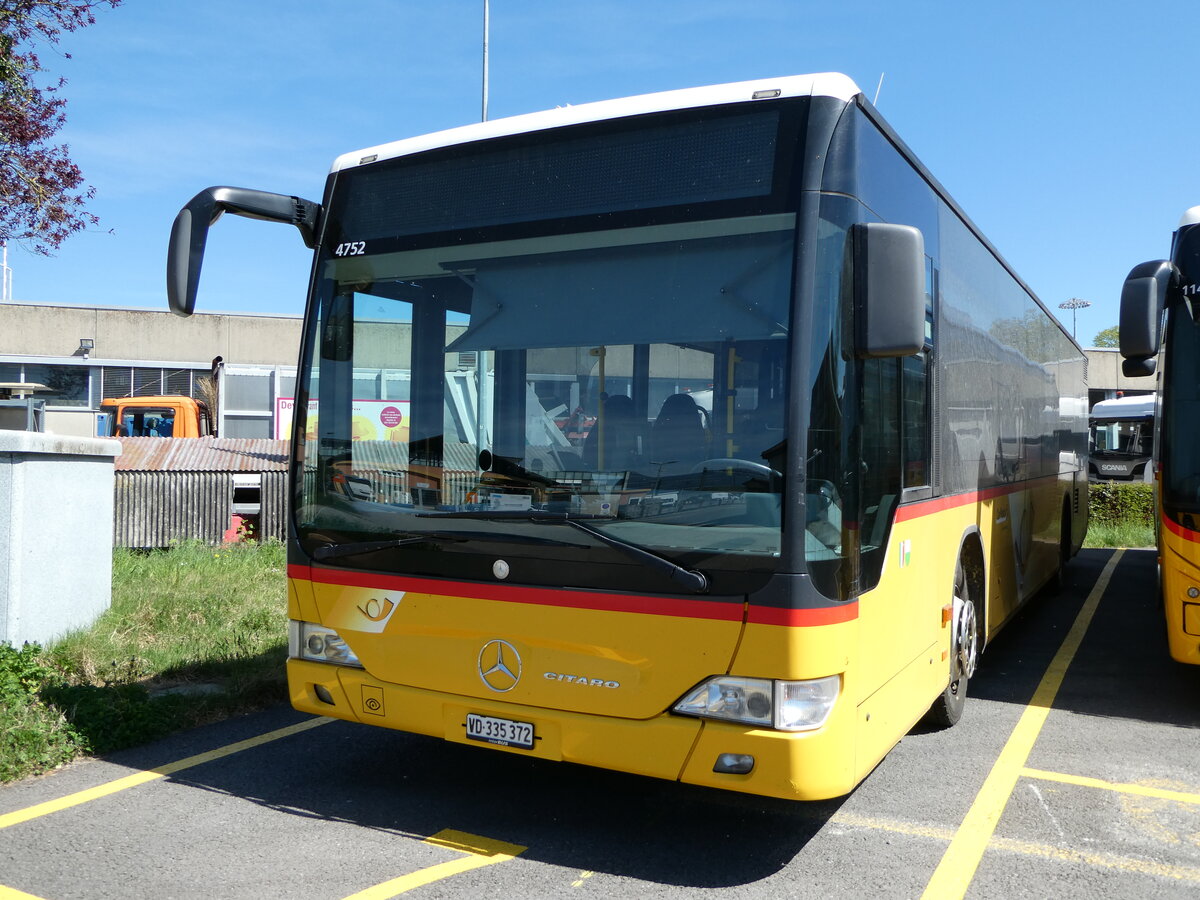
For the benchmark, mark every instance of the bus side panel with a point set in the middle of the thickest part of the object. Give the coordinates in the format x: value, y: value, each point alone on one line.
x: 811, y: 765
x: 1180, y: 560
x: 301, y: 605
x: 814, y: 649
x: 904, y: 635
x: 1048, y: 495
x: 1021, y: 545
x: 901, y: 618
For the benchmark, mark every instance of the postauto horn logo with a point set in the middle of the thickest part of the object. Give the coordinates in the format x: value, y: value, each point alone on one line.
x: 500, y: 666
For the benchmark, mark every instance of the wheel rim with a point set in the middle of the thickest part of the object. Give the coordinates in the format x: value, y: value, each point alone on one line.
x: 966, y: 640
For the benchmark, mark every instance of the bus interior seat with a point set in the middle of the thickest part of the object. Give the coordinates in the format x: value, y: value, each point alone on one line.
x: 622, y: 438
x: 678, y: 435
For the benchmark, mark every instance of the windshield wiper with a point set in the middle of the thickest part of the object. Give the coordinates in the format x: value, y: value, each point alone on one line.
x: 695, y: 581
x: 334, y: 551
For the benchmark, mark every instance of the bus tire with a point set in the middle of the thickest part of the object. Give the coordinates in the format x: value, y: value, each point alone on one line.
x: 947, y: 709
x: 1064, y: 550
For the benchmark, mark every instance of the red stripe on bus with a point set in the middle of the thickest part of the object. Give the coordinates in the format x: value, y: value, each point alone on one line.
x: 921, y: 508
x: 679, y: 607
x: 1179, y: 531
x: 828, y: 615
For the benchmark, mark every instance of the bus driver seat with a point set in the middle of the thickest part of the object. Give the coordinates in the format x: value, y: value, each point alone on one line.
x: 678, y: 438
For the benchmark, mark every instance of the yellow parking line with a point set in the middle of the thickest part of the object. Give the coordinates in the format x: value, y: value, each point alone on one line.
x: 481, y: 851
x: 954, y: 873
x: 7, y: 893
x: 139, y: 778
x: 1095, y: 859
x: 1119, y: 787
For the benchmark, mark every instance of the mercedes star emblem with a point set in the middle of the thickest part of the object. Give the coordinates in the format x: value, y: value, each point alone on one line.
x: 500, y: 665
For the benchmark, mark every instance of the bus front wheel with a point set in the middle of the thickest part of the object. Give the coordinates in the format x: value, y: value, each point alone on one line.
x: 947, y: 709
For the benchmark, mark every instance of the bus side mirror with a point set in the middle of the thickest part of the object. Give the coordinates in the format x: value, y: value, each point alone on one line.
x: 1143, y: 298
x: 189, y: 234
x: 889, y: 289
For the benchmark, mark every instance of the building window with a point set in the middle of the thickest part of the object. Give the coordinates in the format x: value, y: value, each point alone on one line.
x: 246, y: 390
x: 144, y: 381
x: 116, y: 382
x: 237, y: 426
x: 68, y: 385
x: 179, y: 381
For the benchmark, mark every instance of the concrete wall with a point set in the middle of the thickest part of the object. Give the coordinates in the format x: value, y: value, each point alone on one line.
x: 56, y: 525
x: 1104, y: 373
x: 135, y: 334
x: 70, y: 421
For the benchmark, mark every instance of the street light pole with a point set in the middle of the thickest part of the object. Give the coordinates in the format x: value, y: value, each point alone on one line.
x: 486, y: 27
x: 1074, y: 304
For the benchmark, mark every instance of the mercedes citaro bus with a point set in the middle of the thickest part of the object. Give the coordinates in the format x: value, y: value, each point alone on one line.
x: 698, y: 435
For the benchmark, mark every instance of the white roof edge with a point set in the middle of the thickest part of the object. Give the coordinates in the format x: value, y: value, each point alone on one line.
x: 1191, y: 217
x: 1134, y: 405
x: 826, y: 84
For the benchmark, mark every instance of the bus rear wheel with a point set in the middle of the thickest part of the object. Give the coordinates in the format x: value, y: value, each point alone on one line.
x: 1064, y: 549
x: 947, y: 709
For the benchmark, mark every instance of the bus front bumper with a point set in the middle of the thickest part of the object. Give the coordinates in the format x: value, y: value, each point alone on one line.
x: 812, y: 765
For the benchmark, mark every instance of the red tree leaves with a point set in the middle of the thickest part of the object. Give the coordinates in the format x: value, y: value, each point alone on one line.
x: 43, y: 197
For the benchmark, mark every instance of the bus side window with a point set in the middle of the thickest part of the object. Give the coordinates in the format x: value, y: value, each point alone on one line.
x: 915, y: 400
x: 915, y: 419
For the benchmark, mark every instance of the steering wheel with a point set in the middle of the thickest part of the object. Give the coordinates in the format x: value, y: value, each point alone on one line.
x: 774, y: 479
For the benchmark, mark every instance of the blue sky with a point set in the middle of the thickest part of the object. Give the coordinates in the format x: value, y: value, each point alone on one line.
x: 1065, y: 129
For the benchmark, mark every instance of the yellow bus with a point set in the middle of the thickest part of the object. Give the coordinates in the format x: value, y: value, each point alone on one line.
x: 697, y: 435
x: 1159, y: 316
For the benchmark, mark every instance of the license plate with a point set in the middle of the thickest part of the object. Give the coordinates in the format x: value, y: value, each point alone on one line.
x: 504, y: 732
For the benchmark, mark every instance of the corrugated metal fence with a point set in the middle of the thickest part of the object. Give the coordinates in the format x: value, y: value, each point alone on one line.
x: 272, y: 521
x: 154, y: 509
x: 177, y: 490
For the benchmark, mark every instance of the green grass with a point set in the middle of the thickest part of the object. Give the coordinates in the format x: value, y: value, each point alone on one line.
x: 33, y: 735
x: 1119, y: 534
x: 194, y: 634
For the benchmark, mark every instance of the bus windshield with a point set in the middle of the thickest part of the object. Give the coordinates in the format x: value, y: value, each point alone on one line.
x: 1181, y: 393
x: 462, y: 394
x: 1122, y: 437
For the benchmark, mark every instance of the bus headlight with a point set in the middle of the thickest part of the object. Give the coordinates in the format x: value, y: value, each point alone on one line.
x: 320, y: 644
x: 803, y: 705
x: 784, y: 705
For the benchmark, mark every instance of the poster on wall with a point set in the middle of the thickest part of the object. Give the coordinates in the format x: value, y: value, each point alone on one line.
x: 373, y: 420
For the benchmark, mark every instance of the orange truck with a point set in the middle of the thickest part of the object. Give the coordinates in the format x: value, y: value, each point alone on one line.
x: 161, y: 416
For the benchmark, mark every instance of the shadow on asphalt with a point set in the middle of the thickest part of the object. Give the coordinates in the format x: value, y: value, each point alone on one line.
x: 567, y: 815
x: 1122, y: 668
